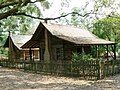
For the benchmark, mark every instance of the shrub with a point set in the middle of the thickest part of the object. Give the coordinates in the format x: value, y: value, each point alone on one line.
x: 76, y: 57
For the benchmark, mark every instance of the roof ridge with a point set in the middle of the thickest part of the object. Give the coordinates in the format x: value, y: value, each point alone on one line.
x: 68, y: 25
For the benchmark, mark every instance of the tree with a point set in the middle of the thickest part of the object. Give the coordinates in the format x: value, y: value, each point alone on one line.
x: 85, y: 14
x: 13, y: 14
x: 19, y: 7
x: 108, y: 28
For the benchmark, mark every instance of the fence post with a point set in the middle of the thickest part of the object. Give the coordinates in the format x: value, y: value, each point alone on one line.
x: 36, y: 67
x: 113, y: 71
x: 24, y: 65
x: 101, y: 68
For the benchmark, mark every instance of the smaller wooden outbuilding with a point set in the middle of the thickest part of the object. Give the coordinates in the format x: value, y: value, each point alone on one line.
x: 14, y: 42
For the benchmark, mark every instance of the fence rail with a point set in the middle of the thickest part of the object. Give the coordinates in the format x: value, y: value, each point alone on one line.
x: 93, y: 70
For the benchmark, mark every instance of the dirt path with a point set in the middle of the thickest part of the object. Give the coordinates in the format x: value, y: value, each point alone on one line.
x: 11, y: 79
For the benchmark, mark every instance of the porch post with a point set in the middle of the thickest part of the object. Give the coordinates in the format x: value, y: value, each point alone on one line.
x: 33, y: 57
x: 47, y: 54
x: 107, y: 51
x: 10, y: 51
x: 114, y: 51
x: 24, y: 56
x: 83, y: 49
x: 97, y: 52
x: 39, y: 53
x: 30, y: 53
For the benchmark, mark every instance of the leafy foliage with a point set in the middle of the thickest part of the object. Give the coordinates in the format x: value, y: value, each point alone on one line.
x: 108, y: 28
x: 45, y: 4
x: 19, y: 24
x: 75, y: 20
x: 76, y: 57
x: 3, y: 52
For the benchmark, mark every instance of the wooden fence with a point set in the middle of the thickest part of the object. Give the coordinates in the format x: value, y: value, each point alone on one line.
x: 111, y: 68
x: 92, y: 70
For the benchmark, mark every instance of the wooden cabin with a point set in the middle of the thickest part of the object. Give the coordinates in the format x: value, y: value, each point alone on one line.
x: 58, y: 42
x: 14, y: 42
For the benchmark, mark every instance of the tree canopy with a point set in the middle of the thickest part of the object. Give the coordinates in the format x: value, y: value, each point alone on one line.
x: 19, y: 7
x: 109, y: 28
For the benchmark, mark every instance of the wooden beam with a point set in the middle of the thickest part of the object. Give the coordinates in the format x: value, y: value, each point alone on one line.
x: 97, y: 51
x: 33, y: 55
x: 38, y: 54
x: 82, y: 48
x: 10, y: 50
x: 46, y: 54
x: 114, y: 51
x: 24, y: 56
x: 30, y: 54
x: 107, y: 51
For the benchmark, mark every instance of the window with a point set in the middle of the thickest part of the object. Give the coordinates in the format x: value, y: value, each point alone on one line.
x: 42, y: 51
x: 59, y: 53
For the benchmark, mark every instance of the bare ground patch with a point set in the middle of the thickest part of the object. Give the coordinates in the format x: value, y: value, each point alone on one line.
x: 13, y: 79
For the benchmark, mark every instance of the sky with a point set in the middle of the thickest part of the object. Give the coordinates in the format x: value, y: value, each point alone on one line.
x: 56, y: 8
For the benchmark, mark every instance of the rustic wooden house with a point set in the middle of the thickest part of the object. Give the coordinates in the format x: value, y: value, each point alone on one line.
x: 58, y: 42
x: 14, y: 42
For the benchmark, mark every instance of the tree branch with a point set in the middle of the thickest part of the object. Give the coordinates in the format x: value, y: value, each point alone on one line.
x: 23, y: 14
x: 35, y: 1
x: 3, y: 5
x: 8, y: 4
x: 55, y: 17
x: 8, y: 13
x: 18, y: 3
x: 14, y: 11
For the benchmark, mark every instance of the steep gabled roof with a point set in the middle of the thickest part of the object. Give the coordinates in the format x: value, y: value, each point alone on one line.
x: 72, y: 34
x: 18, y: 40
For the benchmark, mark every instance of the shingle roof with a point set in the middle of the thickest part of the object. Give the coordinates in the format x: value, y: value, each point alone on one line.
x: 74, y: 34
x: 18, y: 40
